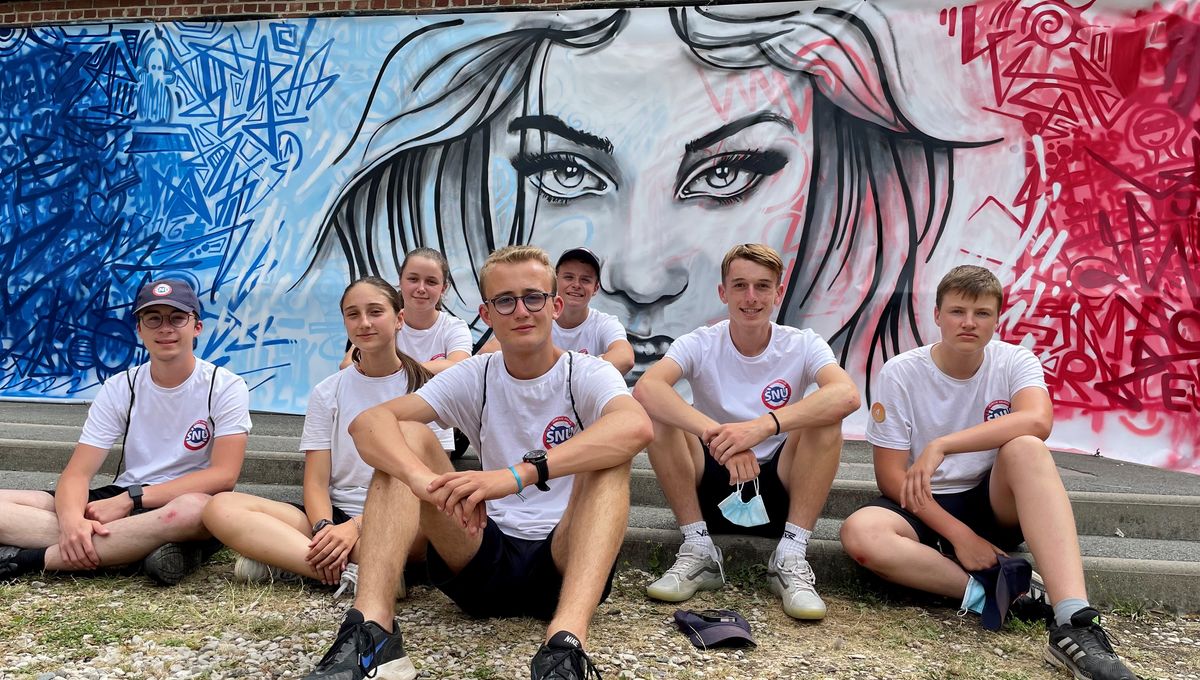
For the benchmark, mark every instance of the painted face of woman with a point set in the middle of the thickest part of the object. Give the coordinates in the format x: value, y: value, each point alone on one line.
x: 661, y: 187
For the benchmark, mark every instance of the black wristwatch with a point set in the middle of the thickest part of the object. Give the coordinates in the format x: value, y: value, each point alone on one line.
x: 537, y: 458
x: 135, y: 495
x: 321, y: 524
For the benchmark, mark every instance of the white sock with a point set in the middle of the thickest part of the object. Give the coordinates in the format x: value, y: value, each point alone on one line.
x: 794, y: 541
x: 696, y: 533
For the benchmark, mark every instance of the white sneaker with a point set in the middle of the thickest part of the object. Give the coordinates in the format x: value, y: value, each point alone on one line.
x: 792, y: 579
x: 349, y: 583
x: 694, y: 569
x: 247, y: 570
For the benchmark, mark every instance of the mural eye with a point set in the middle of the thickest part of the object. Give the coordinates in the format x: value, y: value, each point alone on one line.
x: 729, y: 176
x: 562, y: 177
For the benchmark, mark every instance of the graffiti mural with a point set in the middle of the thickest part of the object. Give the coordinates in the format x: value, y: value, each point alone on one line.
x: 874, y: 146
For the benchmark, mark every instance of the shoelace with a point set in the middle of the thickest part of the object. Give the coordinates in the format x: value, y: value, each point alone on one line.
x: 579, y: 662
x: 362, y: 643
x: 348, y: 581
x: 1095, y: 634
x: 684, y: 562
x: 799, y: 570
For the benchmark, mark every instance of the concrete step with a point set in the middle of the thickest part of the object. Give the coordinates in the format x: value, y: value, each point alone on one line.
x: 1153, y: 572
x: 1100, y: 513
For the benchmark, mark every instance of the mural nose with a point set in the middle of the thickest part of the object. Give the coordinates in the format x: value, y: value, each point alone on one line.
x: 642, y: 280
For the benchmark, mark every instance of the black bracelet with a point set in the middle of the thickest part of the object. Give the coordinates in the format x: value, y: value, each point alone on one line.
x: 776, y: 419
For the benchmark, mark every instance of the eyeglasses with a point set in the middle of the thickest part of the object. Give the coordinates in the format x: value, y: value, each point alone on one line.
x: 176, y: 319
x: 507, y: 304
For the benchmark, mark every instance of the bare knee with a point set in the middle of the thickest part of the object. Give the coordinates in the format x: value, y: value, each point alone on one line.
x: 1025, y: 450
x: 184, y: 513
x: 822, y: 438
x: 424, y: 443
x: 863, y: 536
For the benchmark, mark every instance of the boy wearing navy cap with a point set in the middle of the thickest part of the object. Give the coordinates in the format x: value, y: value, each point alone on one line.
x: 185, y: 424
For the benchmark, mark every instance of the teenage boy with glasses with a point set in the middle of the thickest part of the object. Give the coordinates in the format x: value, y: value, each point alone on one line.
x: 184, y: 423
x: 579, y: 328
x: 751, y: 423
x: 534, y: 533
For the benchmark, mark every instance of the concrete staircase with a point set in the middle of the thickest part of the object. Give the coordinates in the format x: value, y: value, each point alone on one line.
x: 1139, y: 526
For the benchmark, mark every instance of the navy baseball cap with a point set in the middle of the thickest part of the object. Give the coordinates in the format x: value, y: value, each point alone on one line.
x: 579, y: 255
x: 170, y: 292
x: 714, y: 628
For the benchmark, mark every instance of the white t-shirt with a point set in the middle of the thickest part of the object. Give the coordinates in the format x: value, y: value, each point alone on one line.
x: 593, y: 336
x: 918, y: 403
x: 170, y: 433
x: 728, y: 386
x: 520, y: 416
x: 447, y: 334
x: 332, y: 406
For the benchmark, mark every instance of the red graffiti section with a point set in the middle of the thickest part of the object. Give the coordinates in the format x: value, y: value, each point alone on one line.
x: 1107, y: 283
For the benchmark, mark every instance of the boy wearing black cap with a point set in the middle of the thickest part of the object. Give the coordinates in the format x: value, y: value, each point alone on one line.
x: 185, y: 424
x: 579, y: 328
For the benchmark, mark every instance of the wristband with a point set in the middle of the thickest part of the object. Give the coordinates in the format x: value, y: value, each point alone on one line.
x: 321, y: 525
x: 776, y: 419
x: 520, y: 484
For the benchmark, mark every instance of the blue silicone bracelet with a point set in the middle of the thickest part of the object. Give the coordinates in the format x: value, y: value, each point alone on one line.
x: 520, y: 484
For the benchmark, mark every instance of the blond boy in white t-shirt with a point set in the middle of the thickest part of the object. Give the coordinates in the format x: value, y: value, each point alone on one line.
x: 580, y: 328
x: 185, y: 424
x: 536, y: 532
x: 958, y: 429
x: 750, y: 423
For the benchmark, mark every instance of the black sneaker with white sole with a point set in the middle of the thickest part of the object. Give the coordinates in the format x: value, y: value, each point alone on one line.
x: 562, y: 658
x: 1083, y: 648
x: 363, y: 649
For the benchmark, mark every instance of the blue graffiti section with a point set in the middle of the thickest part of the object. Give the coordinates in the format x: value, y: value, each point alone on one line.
x: 139, y: 151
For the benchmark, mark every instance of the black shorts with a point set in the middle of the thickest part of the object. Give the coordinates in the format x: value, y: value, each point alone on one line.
x: 507, y: 577
x: 972, y: 507
x: 715, y: 487
x: 106, y: 492
x: 208, y: 546
x: 339, y: 515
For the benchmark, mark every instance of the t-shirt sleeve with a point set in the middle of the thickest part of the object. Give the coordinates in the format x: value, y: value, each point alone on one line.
x: 454, y: 394
x: 318, y: 418
x: 1026, y: 371
x: 595, y: 387
x: 610, y: 330
x: 231, y: 404
x: 108, y: 413
x: 458, y: 337
x: 686, y: 351
x: 889, y: 423
x: 819, y: 356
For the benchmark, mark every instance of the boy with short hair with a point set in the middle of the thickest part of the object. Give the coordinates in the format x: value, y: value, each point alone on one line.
x: 536, y: 532
x: 750, y: 423
x: 185, y: 424
x: 579, y: 327
x: 958, y: 433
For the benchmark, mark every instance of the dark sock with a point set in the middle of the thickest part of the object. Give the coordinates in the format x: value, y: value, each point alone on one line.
x: 564, y: 639
x: 30, y: 559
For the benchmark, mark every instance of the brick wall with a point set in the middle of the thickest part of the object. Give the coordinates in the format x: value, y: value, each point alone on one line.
x: 66, y: 11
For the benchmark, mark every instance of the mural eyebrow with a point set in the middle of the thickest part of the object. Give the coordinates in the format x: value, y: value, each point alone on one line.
x: 734, y: 127
x: 555, y: 126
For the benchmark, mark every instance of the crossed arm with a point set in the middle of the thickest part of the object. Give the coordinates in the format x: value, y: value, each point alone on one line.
x: 730, y: 444
x: 614, y: 439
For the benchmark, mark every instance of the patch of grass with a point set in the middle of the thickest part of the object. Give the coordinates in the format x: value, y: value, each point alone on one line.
x: 1134, y: 611
x: 749, y: 576
x: 485, y: 673
x: 1032, y: 629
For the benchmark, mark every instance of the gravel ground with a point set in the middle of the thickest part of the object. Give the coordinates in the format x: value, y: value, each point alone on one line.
x: 209, y: 627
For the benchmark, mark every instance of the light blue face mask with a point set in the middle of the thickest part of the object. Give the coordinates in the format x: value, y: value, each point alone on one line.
x: 749, y: 513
